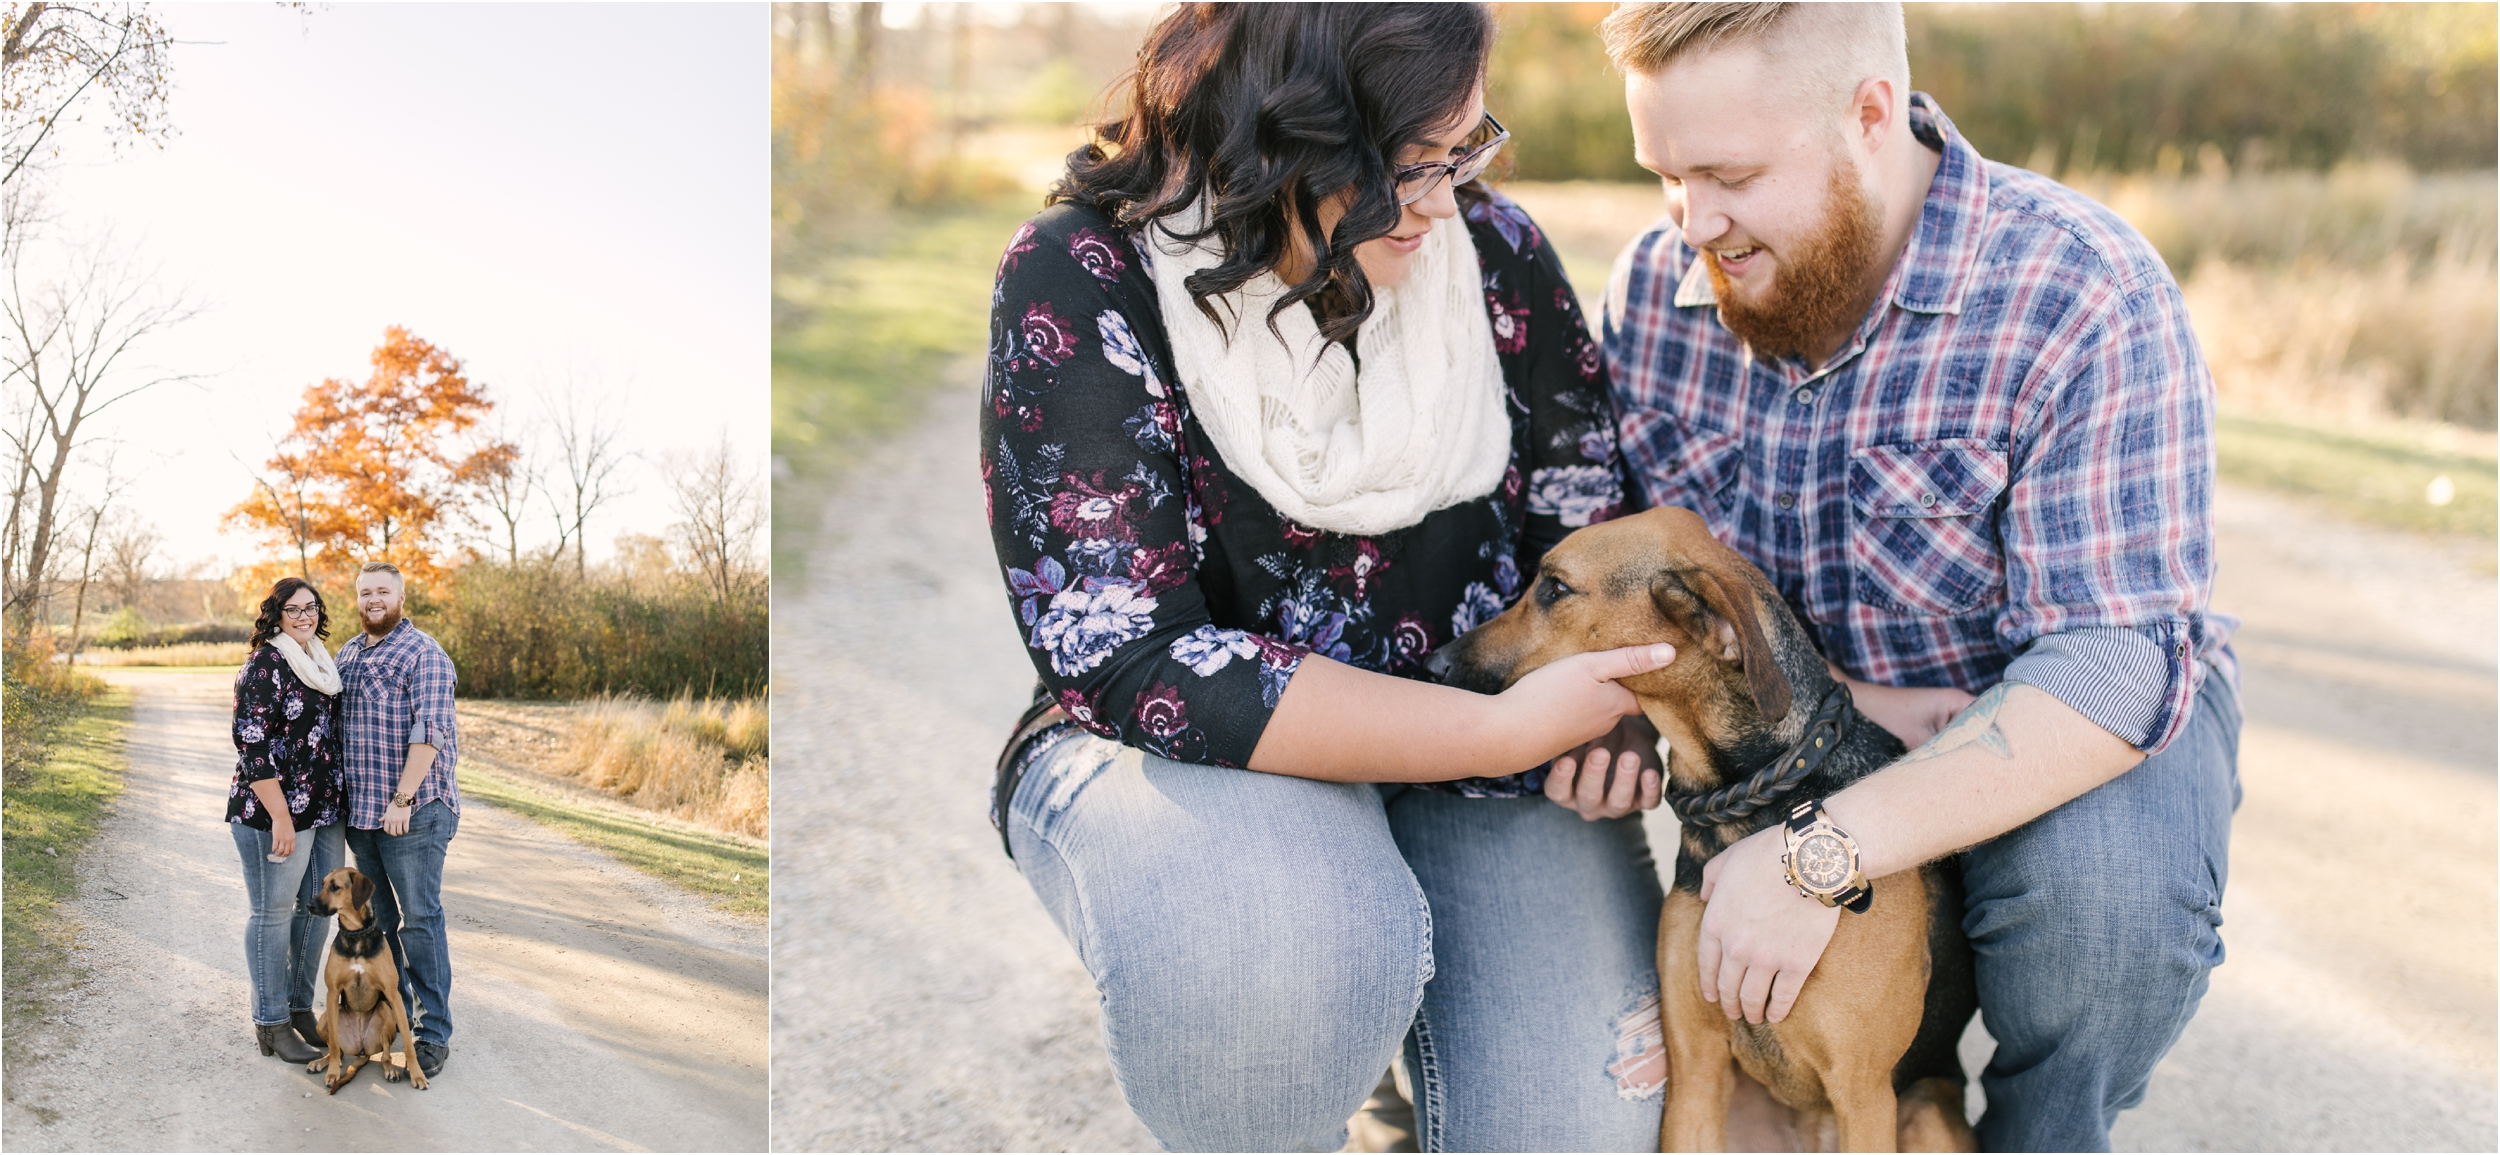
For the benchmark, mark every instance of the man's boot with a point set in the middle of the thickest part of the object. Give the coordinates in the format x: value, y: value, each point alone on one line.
x: 277, y: 1039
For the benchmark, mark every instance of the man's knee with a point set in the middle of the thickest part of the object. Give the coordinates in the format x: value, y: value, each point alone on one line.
x: 2112, y: 954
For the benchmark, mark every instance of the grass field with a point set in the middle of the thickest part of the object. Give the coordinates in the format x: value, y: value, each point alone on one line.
x: 49, y: 815
x: 227, y: 654
x: 734, y: 873
x: 859, y: 338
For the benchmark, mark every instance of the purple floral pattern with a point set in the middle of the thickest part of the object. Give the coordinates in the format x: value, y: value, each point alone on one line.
x: 1163, y: 602
x: 286, y: 730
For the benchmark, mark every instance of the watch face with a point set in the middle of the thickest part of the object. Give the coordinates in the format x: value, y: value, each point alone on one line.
x: 1822, y: 862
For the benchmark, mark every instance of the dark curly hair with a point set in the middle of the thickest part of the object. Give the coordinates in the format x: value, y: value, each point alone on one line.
x: 269, y: 623
x: 1272, y: 109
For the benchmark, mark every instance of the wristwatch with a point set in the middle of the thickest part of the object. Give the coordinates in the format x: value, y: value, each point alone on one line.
x: 1822, y: 860
x: 407, y: 800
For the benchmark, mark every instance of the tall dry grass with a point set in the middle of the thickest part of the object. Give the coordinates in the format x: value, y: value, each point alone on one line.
x: 708, y: 762
x: 2364, y: 294
x: 186, y: 654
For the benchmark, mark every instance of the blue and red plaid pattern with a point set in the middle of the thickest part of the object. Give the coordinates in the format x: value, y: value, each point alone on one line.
x: 396, y: 693
x: 2016, y: 443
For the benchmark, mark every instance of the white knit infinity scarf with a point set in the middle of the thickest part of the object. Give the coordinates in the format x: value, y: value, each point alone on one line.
x: 1421, y: 426
x: 317, y: 669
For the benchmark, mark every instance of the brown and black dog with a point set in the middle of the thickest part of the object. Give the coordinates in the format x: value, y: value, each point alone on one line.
x: 360, y: 1012
x: 1865, y: 1060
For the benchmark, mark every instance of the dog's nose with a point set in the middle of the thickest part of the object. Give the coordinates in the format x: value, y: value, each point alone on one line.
x: 1442, y: 661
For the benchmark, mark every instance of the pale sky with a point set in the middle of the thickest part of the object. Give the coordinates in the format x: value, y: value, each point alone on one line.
x: 534, y: 188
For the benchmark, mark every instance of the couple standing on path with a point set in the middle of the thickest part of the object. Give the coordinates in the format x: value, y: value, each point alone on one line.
x: 1279, y: 402
x: 370, y: 738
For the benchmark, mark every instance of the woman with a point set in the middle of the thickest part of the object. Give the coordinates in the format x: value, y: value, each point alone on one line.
x: 284, y: 808
x: 1278, y: 402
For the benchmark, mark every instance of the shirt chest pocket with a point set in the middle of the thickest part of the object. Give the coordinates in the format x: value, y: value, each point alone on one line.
x: 1923, y: 526
x: 1681, y: 463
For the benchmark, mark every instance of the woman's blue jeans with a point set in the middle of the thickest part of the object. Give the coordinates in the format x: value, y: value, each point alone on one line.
x: 282, y: 943
x: 1265, y: 946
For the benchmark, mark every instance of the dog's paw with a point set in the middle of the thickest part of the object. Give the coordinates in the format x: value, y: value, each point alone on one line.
x: 393, y: 1072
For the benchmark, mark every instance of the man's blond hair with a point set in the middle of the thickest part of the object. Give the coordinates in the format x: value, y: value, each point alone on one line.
x: 1828, y: 49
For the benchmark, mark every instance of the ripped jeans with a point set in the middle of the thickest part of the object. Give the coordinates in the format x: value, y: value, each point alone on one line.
x: 1265, y: 946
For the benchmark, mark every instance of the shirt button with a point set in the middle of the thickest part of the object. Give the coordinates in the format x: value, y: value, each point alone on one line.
x: 1927, y: 500
x: 1787, y: 500
x: 1805, y: 396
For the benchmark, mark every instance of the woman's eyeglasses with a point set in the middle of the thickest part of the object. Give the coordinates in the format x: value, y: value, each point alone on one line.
x: 306, y: 610
x: 1416, y: 181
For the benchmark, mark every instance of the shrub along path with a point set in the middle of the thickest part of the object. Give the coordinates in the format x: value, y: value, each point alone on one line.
x: 597, y: 1009
x: 926, y: 1001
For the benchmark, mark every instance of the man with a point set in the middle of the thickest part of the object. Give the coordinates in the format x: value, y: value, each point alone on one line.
x: 1954, y: 410
x: 403, y: 803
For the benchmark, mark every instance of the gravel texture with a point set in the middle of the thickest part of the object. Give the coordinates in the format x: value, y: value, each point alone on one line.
x: 924, y: 1001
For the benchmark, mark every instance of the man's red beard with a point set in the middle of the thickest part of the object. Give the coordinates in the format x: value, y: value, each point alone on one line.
x: 1824, y: 281
x: 386, y: 625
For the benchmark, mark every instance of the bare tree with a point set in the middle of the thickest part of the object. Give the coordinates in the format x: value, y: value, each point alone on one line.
x: 585, y: 433
x: 720, y: 505
x: 504, y: 488
x: 130, y: 546
x: 68, y: 357
x: 91, y: 515
x: 53, y: 56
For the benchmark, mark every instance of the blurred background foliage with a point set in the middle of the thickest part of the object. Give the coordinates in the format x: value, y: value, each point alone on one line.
x: 2319, y: 176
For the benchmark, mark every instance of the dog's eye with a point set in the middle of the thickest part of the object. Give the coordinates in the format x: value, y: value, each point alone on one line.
x: 1550, y: 590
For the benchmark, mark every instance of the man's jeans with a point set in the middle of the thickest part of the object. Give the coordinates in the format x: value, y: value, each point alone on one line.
x: 407, y: 873
x: 1266, y: 945
x: 2095, y: 926
x: 283, y: 941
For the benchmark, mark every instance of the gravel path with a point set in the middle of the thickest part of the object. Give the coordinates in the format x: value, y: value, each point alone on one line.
x: 597, y: 1008
x: 924, y: 1001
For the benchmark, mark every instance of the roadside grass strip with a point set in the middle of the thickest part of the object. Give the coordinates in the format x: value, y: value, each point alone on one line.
x: 48, y: 817
x: 2384, y: 477
x: 861, y: 336
x: 734, y: 874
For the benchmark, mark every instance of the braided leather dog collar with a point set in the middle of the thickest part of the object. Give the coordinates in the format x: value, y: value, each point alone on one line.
x: 1833, y: 719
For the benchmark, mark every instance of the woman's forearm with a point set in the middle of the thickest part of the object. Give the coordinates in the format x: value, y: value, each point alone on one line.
x: 273, y: 803
x: 1343, y: 724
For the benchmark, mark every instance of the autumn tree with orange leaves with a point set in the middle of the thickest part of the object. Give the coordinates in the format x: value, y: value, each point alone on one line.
x: 373, y: 467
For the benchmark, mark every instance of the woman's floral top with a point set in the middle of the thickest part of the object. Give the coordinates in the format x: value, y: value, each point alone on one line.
x: 1163, y: 601
x: 286, y: 730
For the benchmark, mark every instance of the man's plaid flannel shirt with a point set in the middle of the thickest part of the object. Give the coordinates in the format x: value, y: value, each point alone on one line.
x: 397, y: 693
x: 2006, y: 475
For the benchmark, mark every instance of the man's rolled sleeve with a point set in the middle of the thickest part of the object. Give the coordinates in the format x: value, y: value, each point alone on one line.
x: 2109, y: 523
x: 433, y: 721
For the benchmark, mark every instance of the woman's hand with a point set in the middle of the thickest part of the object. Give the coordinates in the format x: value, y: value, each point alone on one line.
x: 1579, y: 779
x: 1575, y: 701
x: 1914, y: 715
x: 281, y: 834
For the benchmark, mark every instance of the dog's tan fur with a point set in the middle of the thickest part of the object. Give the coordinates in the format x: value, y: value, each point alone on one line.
x: 361, y: 1014
x: 1723, y: 707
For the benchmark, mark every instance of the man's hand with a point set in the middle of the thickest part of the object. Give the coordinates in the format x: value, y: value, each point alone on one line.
x: 395, y: 820
x: 1913, y: 714
x: 1578, y: 779
x: 1759, y: 937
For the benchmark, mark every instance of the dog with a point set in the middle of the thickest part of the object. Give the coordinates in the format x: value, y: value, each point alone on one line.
x: 360, y: 1013
x: 1865, y: 1060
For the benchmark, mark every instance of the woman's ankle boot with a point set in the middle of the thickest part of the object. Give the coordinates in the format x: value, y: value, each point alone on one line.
x: 307, y: 1027
x: 279, y: 1039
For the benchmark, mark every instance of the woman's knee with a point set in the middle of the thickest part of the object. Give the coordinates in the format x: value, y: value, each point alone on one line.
x: 1258, y: 943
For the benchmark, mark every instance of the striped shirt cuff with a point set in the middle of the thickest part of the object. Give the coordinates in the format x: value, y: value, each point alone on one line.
x: 2120, y: 678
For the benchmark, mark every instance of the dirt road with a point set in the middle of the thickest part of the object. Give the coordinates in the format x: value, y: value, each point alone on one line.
x: 596, y: 1009
x: 924, y: 1001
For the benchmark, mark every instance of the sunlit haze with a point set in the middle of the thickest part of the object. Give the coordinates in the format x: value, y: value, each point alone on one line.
x: 542, y: 190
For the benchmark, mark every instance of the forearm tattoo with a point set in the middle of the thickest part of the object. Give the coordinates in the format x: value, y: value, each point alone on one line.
x: 1976, y: 725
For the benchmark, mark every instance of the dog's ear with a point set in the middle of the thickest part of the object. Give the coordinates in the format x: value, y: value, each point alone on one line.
x: 359, y: 890
x: 1723, y: 613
